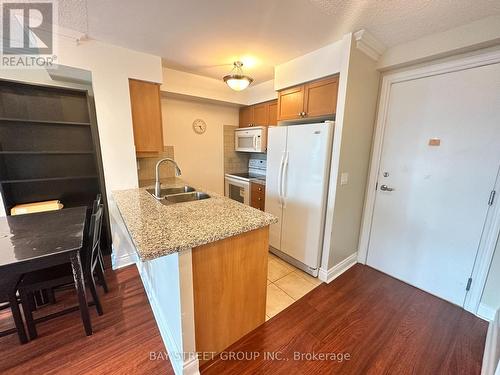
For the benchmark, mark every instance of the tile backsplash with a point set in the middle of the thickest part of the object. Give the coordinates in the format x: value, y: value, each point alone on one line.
x: 233, y: 161
x: 146, y: 167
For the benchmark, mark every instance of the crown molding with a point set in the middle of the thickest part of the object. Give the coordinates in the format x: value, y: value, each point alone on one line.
x: 368, y: 44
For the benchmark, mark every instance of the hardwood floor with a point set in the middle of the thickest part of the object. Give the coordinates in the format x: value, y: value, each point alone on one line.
x: 122, y: 340
x: 384, y: 325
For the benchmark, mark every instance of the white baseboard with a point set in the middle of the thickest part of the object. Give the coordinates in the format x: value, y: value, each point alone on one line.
x: 122, y: 260
x: 192, y: 367
x: 486, y: 312
x: 491, y: 358
x: 331, y: 274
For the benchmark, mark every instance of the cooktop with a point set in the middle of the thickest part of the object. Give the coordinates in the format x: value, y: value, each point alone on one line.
x: 248, y: 176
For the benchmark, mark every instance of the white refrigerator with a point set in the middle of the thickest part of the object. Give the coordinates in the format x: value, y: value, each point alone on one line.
x: 298, y: 166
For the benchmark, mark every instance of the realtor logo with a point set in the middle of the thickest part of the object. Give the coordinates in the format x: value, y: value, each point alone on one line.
x: 28, y: 33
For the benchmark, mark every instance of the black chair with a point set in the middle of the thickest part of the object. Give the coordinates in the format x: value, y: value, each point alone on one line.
x: 8, y: 299
x: 62, y: 275
x: 50, y: 293
x: 100, y: 269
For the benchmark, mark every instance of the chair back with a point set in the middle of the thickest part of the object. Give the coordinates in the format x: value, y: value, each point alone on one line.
x: 91, y: 249
x: 97, y: 203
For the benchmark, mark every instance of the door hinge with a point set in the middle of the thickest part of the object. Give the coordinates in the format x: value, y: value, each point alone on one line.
x: 469, y: 283
x: 376, y: 186
x: 492, y: 198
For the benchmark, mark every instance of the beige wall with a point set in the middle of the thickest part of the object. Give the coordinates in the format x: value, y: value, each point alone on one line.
x: 491, y: 295
x: 200, y: 157
x: 355, y: 149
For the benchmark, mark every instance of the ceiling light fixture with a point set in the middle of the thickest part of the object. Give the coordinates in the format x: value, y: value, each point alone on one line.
x: 236, y: 79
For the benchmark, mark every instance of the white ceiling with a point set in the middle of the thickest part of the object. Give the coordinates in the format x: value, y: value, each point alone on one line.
x: 206, y: 36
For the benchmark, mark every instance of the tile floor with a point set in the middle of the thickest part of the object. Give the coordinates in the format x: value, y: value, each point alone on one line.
x: 285, y: 285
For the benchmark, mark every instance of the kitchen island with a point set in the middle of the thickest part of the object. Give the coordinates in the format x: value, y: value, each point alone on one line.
x: 204, y: 268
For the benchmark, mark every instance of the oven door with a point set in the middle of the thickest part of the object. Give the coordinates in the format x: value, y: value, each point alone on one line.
x: 238, y: 190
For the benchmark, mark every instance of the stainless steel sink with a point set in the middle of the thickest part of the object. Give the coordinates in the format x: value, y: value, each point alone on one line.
x: 171, y: 191
x: 185, y: 197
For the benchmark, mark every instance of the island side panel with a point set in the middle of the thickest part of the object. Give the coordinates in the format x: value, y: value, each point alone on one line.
x: 229, y: 289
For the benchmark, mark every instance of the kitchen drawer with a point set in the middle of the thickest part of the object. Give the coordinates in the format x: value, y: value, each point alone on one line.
x: 257, y: 196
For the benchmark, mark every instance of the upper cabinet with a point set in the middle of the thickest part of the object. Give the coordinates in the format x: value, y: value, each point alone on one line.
x: 146, y: 116
x: 291, y: 103
x: 262, y: 114
x: 246, y: 116
x: 313, y: 99
x: 273, y: 113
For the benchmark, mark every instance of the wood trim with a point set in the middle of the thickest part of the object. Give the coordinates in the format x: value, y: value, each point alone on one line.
x: 229, y: 289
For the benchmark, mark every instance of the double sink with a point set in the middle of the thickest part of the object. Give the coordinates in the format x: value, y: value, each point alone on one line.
x: 178, y: 195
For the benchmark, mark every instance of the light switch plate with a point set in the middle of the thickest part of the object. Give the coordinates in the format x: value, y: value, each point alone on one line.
x: 344, y: 178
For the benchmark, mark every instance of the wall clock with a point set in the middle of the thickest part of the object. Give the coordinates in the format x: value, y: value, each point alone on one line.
x: 199, y: 126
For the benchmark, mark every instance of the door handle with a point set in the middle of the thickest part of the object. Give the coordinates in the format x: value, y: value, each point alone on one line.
x: 283, y: 180
x: 386, y: 188
x: 254, y: 142
x: 280, y: 179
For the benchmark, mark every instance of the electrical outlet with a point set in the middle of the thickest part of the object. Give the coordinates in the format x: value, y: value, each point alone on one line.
x: 344, y: 178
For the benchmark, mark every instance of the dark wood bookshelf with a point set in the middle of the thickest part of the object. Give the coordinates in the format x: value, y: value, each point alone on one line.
x: 46, y: 179
x: 49, y: 147
x: 18, y: 121
x: 46, y: 152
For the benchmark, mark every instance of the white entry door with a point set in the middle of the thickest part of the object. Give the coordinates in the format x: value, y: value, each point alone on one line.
x: 441, y: 155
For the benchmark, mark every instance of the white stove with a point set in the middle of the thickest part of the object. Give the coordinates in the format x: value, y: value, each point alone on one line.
x: 238, y: 184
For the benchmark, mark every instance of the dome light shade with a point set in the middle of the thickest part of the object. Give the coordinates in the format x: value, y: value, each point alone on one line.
x: 236, y: 80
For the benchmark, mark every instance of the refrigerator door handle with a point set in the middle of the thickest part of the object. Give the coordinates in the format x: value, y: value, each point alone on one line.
x: 280, y: 179
x: 284, y: 173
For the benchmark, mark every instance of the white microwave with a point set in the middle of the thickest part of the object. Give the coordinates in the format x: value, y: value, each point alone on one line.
x: 252, y: 139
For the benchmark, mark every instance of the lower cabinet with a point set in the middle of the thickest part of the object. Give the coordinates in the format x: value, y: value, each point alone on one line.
x: 258, y: 196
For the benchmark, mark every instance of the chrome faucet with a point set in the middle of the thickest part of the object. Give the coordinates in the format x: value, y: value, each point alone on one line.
x: 157, y: 182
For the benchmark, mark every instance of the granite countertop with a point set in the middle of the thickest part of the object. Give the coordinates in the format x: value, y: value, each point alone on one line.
x: 157, y: 229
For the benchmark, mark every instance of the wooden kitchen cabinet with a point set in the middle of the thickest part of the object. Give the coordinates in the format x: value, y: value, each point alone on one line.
x: 291, y: 103
x: 313, y: 99
x: 146, y: 116
x: 320, y: 97
x: 262, y: 114
x: 273, y: 113
x: 246, y: 116
x: 258, y: 196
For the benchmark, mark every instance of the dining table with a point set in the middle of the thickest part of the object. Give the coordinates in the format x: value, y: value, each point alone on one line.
x: 36, y: 241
